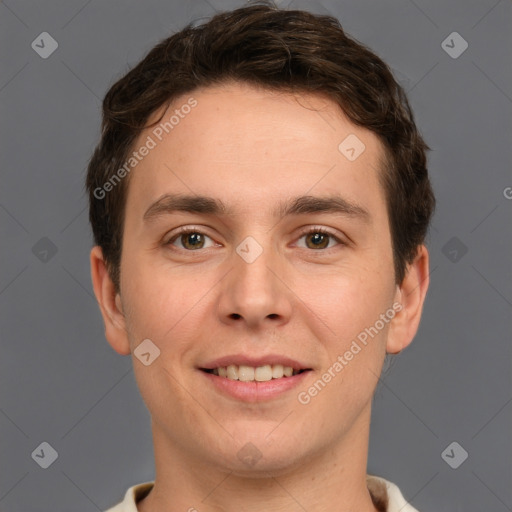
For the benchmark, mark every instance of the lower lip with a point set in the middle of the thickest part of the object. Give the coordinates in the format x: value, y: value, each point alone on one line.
x: 255, y: 391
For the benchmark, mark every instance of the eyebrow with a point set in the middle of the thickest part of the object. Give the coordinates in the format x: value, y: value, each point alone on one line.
x: 333, y: 204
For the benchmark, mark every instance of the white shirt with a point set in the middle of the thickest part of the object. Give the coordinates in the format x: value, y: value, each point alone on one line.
x: 378, y: 487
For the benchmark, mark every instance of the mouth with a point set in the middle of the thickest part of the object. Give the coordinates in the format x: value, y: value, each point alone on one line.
x: 255, y: 378
x: 263, y: 373
x: 261, y: 383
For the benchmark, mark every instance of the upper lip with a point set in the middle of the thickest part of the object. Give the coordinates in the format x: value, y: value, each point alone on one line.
x: 241, y: 359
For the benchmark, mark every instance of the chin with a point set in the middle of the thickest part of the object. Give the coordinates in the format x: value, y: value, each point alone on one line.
x: 259, y: 455
x: 264, y: 466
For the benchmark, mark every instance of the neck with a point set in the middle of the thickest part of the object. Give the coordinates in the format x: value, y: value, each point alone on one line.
x: 332, y: 479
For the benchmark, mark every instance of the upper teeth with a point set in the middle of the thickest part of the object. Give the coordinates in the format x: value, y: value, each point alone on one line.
x: 259, y: 373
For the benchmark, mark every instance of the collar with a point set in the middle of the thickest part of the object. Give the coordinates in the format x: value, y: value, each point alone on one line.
x: 386, y: 496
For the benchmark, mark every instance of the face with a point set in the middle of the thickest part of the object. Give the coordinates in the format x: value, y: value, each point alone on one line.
x: 261, y: 276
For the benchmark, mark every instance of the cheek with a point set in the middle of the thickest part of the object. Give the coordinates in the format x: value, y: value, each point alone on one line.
x: 353, y: 335
x: 153, y: 299
x: 349, y: 299
x: 166, y: 307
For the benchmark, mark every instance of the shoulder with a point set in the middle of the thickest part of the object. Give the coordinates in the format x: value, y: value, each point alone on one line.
x: 383, y: 491
x: 134, y: 494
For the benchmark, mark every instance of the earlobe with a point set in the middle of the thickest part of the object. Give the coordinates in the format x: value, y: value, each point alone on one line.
x: 410, y: 294
x: 109, y: 302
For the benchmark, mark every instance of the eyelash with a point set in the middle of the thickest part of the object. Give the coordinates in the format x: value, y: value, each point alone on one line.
x: 315, y: 229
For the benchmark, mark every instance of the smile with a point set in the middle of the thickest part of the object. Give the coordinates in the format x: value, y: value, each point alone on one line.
x: 251, y: 389
x: 246, y: 373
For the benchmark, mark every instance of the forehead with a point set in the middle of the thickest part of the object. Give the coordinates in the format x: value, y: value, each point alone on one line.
x: 236, y: 137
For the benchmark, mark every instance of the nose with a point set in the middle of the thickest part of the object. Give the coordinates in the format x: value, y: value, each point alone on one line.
x: 255, y: 292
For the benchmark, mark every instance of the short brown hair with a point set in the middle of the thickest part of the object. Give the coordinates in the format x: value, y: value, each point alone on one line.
x: 276, y: 49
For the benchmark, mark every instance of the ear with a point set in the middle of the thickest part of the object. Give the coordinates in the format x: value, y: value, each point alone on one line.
x: 110, y: 303
x: 410, y: 294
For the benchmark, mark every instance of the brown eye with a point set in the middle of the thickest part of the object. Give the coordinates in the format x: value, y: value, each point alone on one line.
x: 189, y: 239
x: 319, y: 238
x: 192, y: 240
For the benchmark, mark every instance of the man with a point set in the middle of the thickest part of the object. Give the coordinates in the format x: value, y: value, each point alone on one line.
x: 259, y: 201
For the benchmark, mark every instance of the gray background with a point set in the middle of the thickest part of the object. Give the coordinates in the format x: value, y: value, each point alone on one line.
x: 61, y: 383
